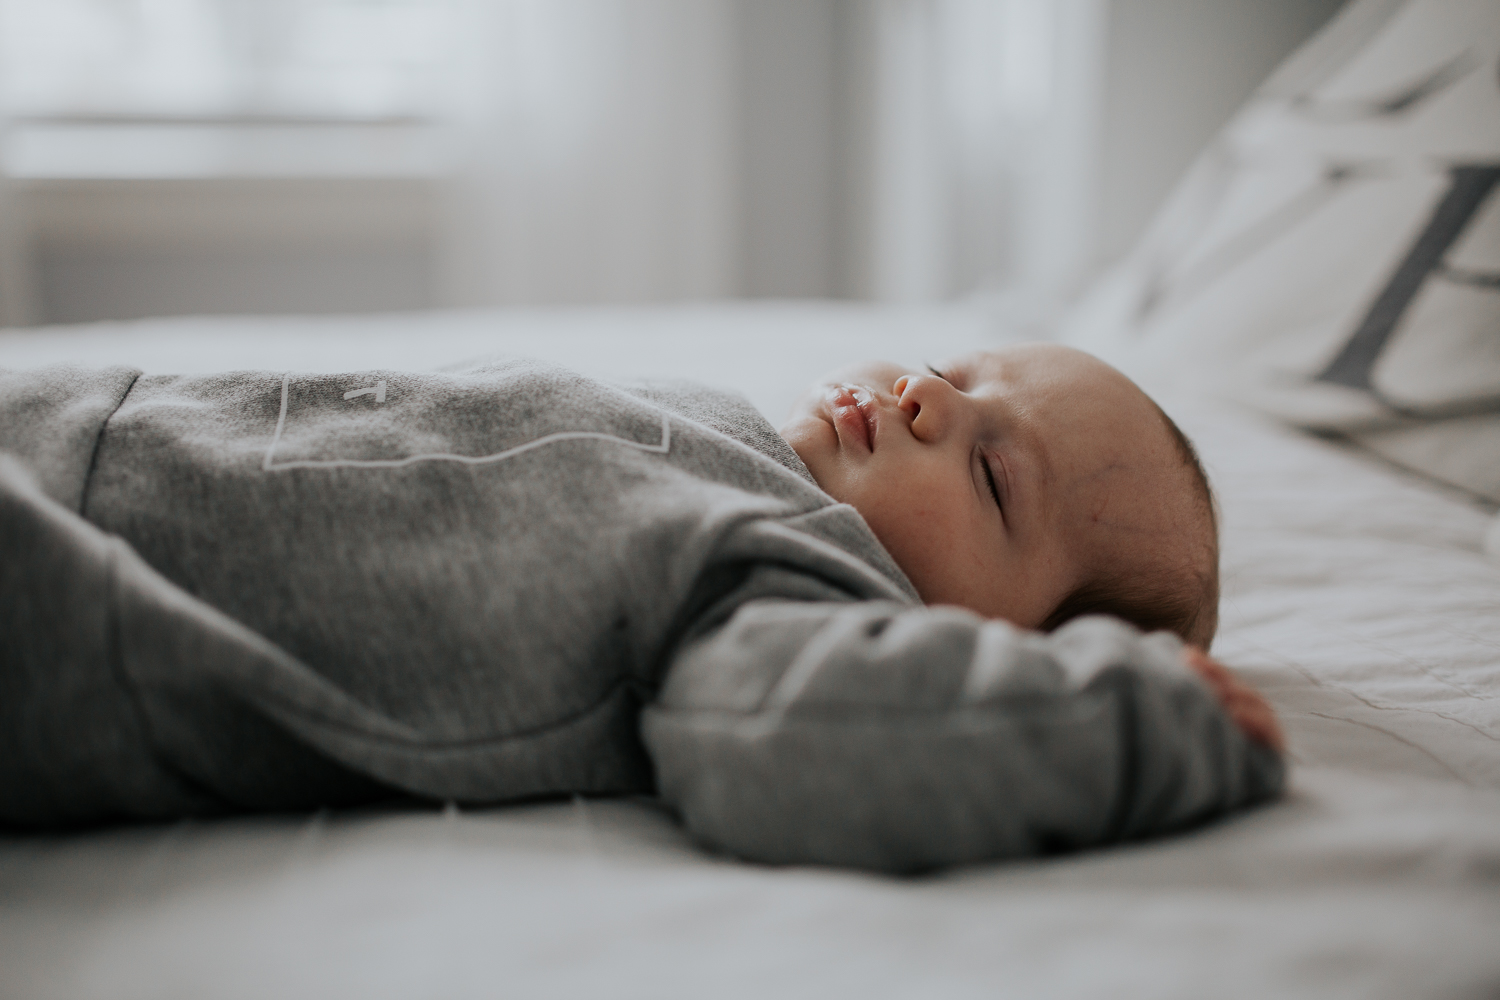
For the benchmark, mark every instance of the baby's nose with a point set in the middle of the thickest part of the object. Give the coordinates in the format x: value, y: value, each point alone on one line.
x: 926, y: 400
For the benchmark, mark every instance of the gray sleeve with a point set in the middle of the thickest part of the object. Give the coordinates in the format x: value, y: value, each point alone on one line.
x: 881, y: 736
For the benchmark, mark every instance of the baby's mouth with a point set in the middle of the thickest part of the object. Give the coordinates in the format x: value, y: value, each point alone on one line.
x: 846, y: 405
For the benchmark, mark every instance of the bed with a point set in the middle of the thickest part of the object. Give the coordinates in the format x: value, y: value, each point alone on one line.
x: 1360, y: 598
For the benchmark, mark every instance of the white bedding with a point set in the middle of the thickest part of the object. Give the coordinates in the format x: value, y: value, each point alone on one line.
x: 1359, y: 599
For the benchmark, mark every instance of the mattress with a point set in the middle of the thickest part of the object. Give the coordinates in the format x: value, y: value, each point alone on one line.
x: 1358, y: 598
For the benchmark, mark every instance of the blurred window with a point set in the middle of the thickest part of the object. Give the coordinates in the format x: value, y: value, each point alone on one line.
x: 222, y: 88
x: 343, y: 59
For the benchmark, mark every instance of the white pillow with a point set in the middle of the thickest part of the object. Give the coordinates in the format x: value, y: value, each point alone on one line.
x: 1334, y: 256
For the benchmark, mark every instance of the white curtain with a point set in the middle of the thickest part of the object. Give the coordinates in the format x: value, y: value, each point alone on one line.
x: 596, y: 139
x: 980, y: 159
x: 605, y: 155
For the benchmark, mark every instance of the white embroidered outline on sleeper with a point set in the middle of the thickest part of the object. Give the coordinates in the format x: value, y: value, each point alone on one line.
x: 440, y: 456
x: 377, y: 390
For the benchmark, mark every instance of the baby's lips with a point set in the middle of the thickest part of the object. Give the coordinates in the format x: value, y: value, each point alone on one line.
x: 841, y: 394
x: 844, y: 404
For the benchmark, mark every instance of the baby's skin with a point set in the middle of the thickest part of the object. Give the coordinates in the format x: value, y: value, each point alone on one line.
x: 1004, y: 481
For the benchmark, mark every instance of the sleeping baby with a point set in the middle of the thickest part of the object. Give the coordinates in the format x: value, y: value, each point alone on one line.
x: 938, y: 619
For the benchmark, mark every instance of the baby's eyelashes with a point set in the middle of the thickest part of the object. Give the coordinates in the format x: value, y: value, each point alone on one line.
x: 989, y: 479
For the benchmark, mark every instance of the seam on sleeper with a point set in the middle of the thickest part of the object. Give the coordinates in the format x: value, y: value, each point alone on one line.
x: 88, y: 476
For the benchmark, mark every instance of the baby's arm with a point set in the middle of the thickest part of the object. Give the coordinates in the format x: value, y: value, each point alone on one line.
x: 896, y: 738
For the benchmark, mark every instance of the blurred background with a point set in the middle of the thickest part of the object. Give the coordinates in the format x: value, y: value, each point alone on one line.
x: 168, y: 157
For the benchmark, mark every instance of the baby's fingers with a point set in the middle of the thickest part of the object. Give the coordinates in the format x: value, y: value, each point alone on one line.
x: 1252, y: 713
x: 1256, y: 719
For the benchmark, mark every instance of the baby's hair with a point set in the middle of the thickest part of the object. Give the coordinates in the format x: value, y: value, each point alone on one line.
x: 1192, y: 612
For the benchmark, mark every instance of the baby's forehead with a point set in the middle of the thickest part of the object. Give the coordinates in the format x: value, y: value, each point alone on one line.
x: 1142, y: 500
x: 1078, y: 378
x: 1042, y: 355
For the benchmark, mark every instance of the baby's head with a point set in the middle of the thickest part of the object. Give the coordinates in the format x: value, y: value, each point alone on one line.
x: 1034, y: 483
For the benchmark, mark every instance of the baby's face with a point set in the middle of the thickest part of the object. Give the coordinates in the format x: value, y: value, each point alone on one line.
x: 1008, y: 480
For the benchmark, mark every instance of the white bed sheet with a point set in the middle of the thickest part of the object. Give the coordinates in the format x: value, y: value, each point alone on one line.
x: 1358, y: 598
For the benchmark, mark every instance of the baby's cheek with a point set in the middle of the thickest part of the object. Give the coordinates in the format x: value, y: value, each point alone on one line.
x: 938, y: 560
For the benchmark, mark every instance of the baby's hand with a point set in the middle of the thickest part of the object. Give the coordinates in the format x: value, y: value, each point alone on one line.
x: 1245, y: 706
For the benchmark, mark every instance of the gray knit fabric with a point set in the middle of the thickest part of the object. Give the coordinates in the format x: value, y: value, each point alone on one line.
x: 273, y: 591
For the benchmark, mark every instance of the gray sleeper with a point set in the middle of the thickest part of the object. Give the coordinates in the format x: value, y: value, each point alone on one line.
x: 273, y: 591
